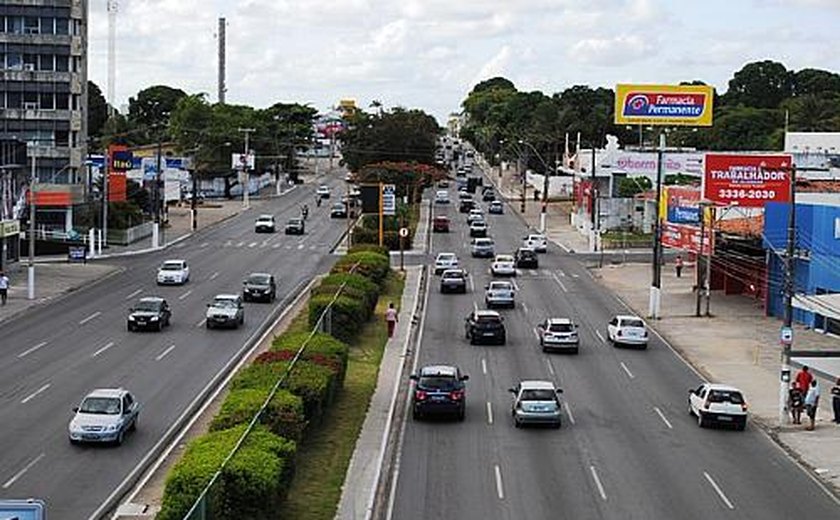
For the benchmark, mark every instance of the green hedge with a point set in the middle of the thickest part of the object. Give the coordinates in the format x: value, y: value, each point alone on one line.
x: 322, y: 349
x: 252, y: 485
x: 390, y: 239
x: 346, y: 316
x: 371, y: 265
x: 355, y: 285
x: 283, y: 416
x: 368, y: 248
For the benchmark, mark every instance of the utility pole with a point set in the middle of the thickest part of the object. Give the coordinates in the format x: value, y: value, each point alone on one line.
x: 707, y: 287
x: 31, y: 233
x: 545, y: 192
x: 246, y: 179
x: 524, y: 178
x: 790, y: 266
x: 222, y: 65
x: 193, y: 203
x: 156, y: 194
x: 701, y: 281
x: 103, y: 241
x: 656, y: 285
x: 593, y: 183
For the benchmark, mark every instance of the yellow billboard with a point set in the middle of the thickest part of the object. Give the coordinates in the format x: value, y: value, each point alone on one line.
x: 665, y: 105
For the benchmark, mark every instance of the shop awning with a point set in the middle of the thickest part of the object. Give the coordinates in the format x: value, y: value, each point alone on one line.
x: 827, y: 305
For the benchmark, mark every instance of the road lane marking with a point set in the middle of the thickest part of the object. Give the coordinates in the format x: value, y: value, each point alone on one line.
x: 515, y: 287
x: 135, y: 293
x: 718, y: 490
x: 16, y: 477
x: 214, y: 275
x: 662, y: 416
x: 240, y: 244
x: 201, y: 323
x: 627, y: 371
x: 575, y: 275
x: 561, y: 272
x: 536, y: 334
x: 524, y: 307
x: 103, y: 349
x: 475, y: 306
x: 483, y: 366
x: 33, y: 349
x: 550, y: 367
x: 472, y: 284
x: 600, y: 336
x: 165, y: 353
x: 36, y: 393
x: 559, y: 282
x: 252, y: 245
x: 91, y: 317
x: 204, y: 244
x: 185, y: 295
x: 300, y: 246
x: 500, y: 490
x: 598, y: 483
x: 489, y: 412
x: 569, y: 412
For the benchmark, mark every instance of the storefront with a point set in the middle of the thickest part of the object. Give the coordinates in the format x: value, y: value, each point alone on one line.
x: 9, y: 243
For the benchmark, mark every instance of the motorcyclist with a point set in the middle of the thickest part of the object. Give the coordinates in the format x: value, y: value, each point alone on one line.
x: 318, y: 200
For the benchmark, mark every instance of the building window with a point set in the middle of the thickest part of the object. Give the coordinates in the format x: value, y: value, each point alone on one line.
x: 62, y: 101
x: 62, y: 63
x: 77, y: 27
x: 47, y: 25
x: 46, y: 62
x: 62, y: 138
x: 76, y: 98
x: 2, y: 24
x: 62, y: 26
x: 14, y: 61
x: 74, y: 139
x: 15, y: 24
x: 47, y: 101
x: 31, y: 25
x: 14, y: 99
x: 30, y: 62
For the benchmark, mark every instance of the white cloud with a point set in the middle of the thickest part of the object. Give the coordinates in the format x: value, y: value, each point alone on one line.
x: 617, y: 50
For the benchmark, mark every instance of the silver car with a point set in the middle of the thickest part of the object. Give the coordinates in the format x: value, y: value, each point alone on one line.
x: 226, y: 310
x: 536, y: 402
x: 499, y: 294
x: 558, y: 334
x: 104, y: 415
x: 483, y: 248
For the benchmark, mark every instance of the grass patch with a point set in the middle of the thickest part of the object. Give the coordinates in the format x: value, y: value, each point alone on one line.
x: 323, y: 456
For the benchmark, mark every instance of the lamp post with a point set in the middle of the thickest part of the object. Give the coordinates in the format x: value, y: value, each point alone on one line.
x: 31, y: 234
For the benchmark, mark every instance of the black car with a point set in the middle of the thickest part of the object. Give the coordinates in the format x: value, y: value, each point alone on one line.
x: 150, y: 312
x: 488, y: 195
x: 466, y: 205
x: 259, y: 287
x: 453, y: 280
x: 338, y: 210
x: 294, y: 226
x: 439, y: 389
x: 526, y: 257
x: 485, y: 327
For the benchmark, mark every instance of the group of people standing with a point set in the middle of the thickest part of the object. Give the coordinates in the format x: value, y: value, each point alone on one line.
x: 804, y: 395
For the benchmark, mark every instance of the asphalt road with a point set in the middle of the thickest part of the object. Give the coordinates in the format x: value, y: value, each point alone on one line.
x: 628, y: 448
x: 51, y: 357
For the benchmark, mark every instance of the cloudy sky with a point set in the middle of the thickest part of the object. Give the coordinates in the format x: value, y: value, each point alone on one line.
x: 429, y: 53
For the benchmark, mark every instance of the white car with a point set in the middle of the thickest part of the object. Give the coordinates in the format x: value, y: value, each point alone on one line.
x: 104, y: 415
x: 503, y: 265
x: 265, y: 224
x: 536, y: 402
x: 499, y: 294
x: 173, y: 272
x: 627, y: 330
x: 536, y: 242
x: 558, y: 334
x: 323, y: 191
x: 478, y: 228
x: 445, y: 261
x: 226, y: 310
x: 442, y: 197
x: 721, y: 404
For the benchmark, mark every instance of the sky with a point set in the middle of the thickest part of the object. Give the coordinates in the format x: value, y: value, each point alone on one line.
x: 428, y: 54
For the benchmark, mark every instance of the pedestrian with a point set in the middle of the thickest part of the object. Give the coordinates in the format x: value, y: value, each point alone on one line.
x: 812, y: 401
x: 835, y: 400
x: 4, y: 287
x: 804, y: 378
x: 678, y: 265
x: 795, y: 403
x: 391, y: 318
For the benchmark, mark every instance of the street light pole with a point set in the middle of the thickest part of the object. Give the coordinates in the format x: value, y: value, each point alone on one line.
x: 656, y: 285
x: 790, y: 266
x: 31, y: 265
x: 592, y: 188
x: 245, y: 172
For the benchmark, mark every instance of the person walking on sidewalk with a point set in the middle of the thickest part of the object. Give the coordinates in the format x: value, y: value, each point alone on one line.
x: 391, y: 319
x: 835, y: 400
x: 803, y: 379
x: 678, y: 265
x: 796, y: 403
x: 4, y: 288
x: 812, y: 401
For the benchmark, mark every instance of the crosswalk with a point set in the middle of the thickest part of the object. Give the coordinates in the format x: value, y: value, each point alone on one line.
x: 267, y: 244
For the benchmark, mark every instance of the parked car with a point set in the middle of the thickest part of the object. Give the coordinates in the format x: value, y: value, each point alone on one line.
x: 718, y: 404
x: 445, y: 261
x: 338, y: 210
x: 558, y: 334
x: 536, y: 402
x: 627, y: 330
x: 499, y: 294
x: 503, y: 265
x: 537, y: 242
x: 483, y: 247
x: 226, y: 310
x: 104, y: 415
x: 150, y: 312
x: 323, y: 191
x: 526, y: 257
x: 478, y: 228
x: 442, y: 197
x: 485, y: 326
x: 259, y: 287
x: 453, y: 280
x: 265, y: 224
x: 439, y: 389
x: 295, y: 226
x: 440, y: 224
x: 496, y: 208
x: 173, y: 272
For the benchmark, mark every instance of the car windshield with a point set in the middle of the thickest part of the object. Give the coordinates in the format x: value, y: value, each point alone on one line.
x: 484, y: 243
x: 147, y: 306
x: 446, y: 257
x: 488, y: 319
x: 224, y: 303
x: 725, y: 396
x: 453, y: 275
x: 634, y: 322
x: 500, y: 286
x: 504, y: 258
x: 171, y: 267
x: 101, y: 406
x: 294, y: 222
x: 561, y: 327
x: 446, y: 383
x: 259, y: 279
x: 537, y: 395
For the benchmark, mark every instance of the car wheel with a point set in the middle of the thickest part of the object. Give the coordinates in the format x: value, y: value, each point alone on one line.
x: 130, y: 327
x: 415, y: 414
x: 503, y: 340
x: 209, y: 326
x: 133, y: 426
x: 556, y: 425
x: 242, y: 320
x: 516, y: 423
x: 576, y: 350
x: 701, y: 421
x: 690, y: 411
x: 741, y: 426
x: 462, y: 414
x: 120, y: 438
x: 245, y: 298
x: 160, y: 326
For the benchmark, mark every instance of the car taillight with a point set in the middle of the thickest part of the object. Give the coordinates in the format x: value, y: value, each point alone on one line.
x: 456, y: 395
x: 420, y: 395
x: 744, y: 407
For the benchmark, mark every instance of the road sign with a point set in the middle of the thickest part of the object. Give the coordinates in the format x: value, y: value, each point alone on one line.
x: 389, y: 200
x: 786, y: 336
x: 22, y: 510
x: 404, y: 232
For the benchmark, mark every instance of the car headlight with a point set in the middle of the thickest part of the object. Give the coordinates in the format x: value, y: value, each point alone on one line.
x: 154, y: 318
x: 112, y: 427
x: 131, y: 318
x: 74, y: 427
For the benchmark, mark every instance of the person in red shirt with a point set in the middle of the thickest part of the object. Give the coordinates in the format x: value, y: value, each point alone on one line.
x: 803, y: 379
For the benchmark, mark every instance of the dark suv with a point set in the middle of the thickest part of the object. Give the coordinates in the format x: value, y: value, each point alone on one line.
x: 439, y: 389
x: 484, y: 327
x: 526, y: 257
x: 149, y: 313
x: 259, y: 286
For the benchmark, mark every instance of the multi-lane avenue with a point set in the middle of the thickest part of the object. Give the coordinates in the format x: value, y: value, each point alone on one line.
x: 627, y: 448
x: 51, y: 357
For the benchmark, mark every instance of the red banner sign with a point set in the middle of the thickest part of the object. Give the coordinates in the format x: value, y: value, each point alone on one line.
x: 684, y: 237
x: 119, y: 161
x: 747, y: 180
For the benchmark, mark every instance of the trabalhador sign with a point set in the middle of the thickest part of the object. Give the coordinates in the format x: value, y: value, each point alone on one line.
x: 666, y: 105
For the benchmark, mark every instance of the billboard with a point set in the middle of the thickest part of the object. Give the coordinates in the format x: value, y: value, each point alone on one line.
x: 681, y: 236
x: 645, y: 163
x: 747, y: 180
x: 682, y: 205
x: 668, y: 105
x: 119, y: 162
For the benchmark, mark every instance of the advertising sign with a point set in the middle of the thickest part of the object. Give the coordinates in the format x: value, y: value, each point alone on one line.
x: 668, y: 105
x: 682, y: 205
x: 389, y: 200
x: 22, y: 510
x: 644, y: 163
x: 681, y: 236
x: 240, y: 161
x: 119, y: 162
x: 747, y: 180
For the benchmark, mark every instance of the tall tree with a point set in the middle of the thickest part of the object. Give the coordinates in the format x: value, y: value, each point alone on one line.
x: 815, y: 81
x: 398, y: 135
x: 762, y: 84
x: 97, y: 112
x: 150, y: 110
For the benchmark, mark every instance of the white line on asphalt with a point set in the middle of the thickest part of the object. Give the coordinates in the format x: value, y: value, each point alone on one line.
x: 569, y: 412
x: 185, y: 295
x: 240, y: 244
x: 135, y: 293
x: 265, y: 242
x: 536, y: 334
x: 598, y: 482
x: 489, y: 412
x: 475, y: 306
x: 214, y: 275
x: 36, y: 393
x: 575, y: 275
x: 20, y: 473
x: 561, y: 272
x: 276, y: 246
x: 472, y: 284
x: 524, y: 307
x: 33, y: 349
x: 718, y: 490
x: 500, y: 490
x: 559, y: 282
x: 288, y: 247
x: 103, y: 349
x: 627, y: 371
x: 204, y: 244
x: 165, y: 352
x: 662, y: 416
x: 92, y: 316
x: 515, y: 287
x: 300, y: 246
x: 483, y: 366
x: 201, y: 323
x: 550, y: 367
x: 252, y: 245
x: 600, y: 336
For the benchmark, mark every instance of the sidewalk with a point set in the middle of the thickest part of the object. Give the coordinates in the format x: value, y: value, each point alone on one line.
x: 738, y: 345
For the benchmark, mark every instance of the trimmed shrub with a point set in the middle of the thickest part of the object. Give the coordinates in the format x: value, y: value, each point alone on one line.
x: 346, y: 316
x: 283, y: 416
x: 371, y: 265
x: 348, y: 292
x: 371, y: 248
x: 252, y: 485
x: 322, y: 349
x: 353, y: 283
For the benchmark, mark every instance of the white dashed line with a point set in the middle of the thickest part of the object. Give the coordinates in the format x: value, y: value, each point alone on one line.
x: 135, y: 293
x: 9, y: 483
x: 276, y: 246
x: 204, y: 244
x: 500, y: 490
x: 165, y: 353
x: 718, y: 490
x: 185, y: 295
x: 536, y: 334
x: 598, y: 483
x: 627, y: 371
x: 489, y: 412
x: 33, y: 349
x: 201, y: 323
x: 300, y: 246
x: 662, y: 416
x: 550, y: 367
x: 240, y: 244
x: 483, y: 366
x: 36, y: 393
x: 569, y: 412
x: 600, y: 336
x: 103, y: 349
x: 252, y: 245
x: 472, y: 284
x: 575, y: 275
x: 214, y: 276
x: 559, y: 283
x: 91, y: 317
x: 515, y: 287
x: 524, y: 307
x: 561, y: 272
